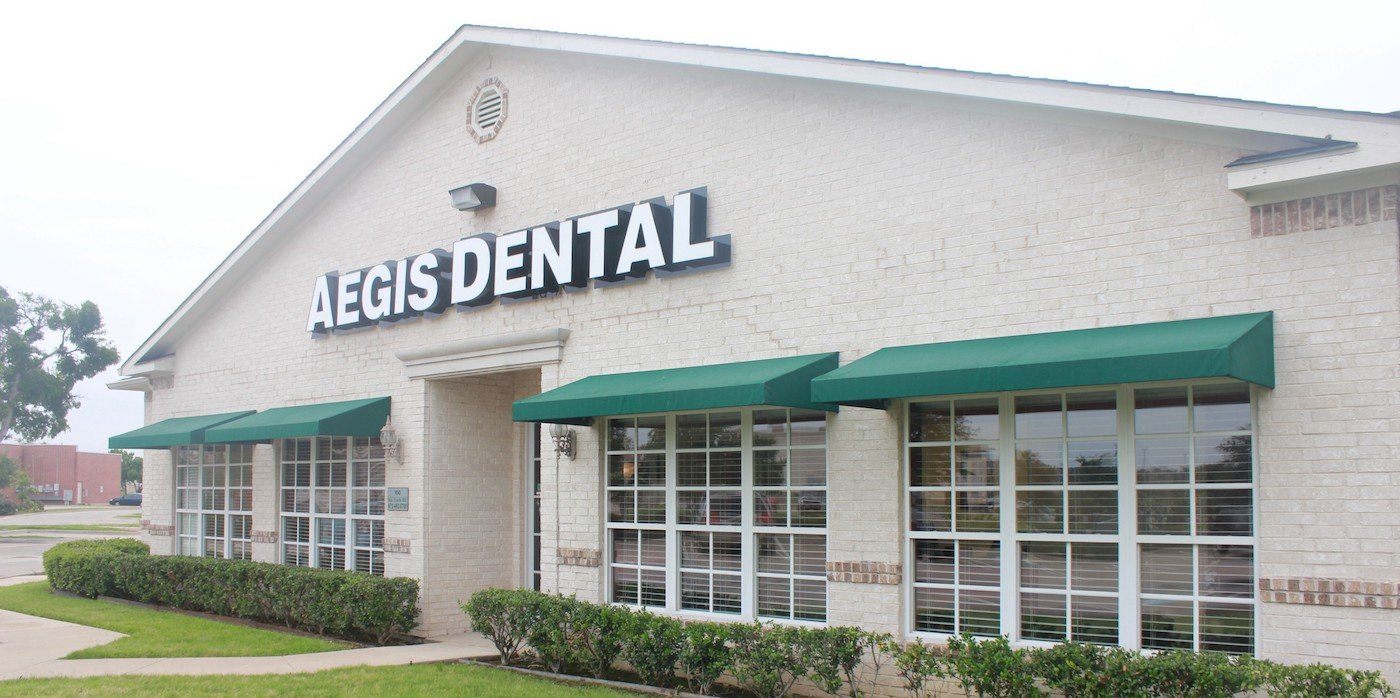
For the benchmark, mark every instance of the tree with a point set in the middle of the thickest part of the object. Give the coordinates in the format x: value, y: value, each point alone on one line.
x: 46, y: 347
x: 131, y: 465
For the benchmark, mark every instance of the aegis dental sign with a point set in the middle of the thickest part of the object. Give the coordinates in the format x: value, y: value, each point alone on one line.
x: 609, y: 246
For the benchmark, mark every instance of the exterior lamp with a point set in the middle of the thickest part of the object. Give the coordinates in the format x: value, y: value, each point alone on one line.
x: 473, y: 196
x: 389, y: 438
x: 563, y: 438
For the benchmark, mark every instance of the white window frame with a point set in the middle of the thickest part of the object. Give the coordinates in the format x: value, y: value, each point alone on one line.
x: 747, y: 529
x: 1127, y: 538
x: 200, y: 512
x: 346, y: 519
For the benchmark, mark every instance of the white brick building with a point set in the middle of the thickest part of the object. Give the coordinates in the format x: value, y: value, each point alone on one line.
x: 1224, y: 483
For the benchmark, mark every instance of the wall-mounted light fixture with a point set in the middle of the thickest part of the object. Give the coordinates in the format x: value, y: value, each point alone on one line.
x: 389, y: 438
x: 563, y: 438
x: 473, y: 197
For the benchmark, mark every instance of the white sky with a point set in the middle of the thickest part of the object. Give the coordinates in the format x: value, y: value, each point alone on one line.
x: 139, y: 142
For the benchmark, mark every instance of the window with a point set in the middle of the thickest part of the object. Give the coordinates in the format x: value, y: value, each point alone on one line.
x: 214, y: 501
x: 1195, y: 477
x: 333, y: 503
x: 719, y: 513
x: 1129, y: 517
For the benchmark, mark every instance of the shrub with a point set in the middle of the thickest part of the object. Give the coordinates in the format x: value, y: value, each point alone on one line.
x: 341, y: 603
x: 653, y: 647
x: 1081, y: 670
x: 916, y: 663
x: 599, y: 633
x: 834, y: 655
x: 990, y: 668
x: 504, y: 617
x: 705, y: 654
x: 769, y: 659
x: 1316, y: 680
x: 1185, y: 674
x: 553, y: 632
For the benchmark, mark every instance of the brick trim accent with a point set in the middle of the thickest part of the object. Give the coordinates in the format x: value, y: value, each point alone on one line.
x: 161, y: 529
x: 264, y: 536
x: 145, y: 524
x: 1323, y: 212
x: 864, y: 572
x: 1314, y: 591
x: 578, y: 557
x: 397, y: 545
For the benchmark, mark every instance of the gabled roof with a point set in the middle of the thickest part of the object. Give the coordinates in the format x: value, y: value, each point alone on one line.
x: 1299, y: 137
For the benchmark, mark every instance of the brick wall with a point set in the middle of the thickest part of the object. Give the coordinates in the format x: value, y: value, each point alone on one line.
x: 859, y: 221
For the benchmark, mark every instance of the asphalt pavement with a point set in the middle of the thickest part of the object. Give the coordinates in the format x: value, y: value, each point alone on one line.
x: 21, y: 551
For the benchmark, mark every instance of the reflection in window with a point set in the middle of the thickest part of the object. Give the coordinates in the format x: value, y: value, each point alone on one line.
x: 214, y: 501
x: 333, y: 496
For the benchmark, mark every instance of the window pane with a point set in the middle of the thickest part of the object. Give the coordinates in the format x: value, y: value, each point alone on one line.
x: 1224, y: 512
x: 770, y: 428
x: 775, y: 597
x: 691, y: 431
x: 774, y: 553
x: 1040, y: 463
x: 933, y: 610
x: 980, y: 612
x: 622, y: 436
x: 1092, y: 414
x: 1224, y: 458
x: 1166, y: 624
x: 1222, y: 407
x: 1162, y: 461
x: 622, y: 506
x: 1094, y: 619
x: 930, y: 466
x: 651, y: 470
x: 808, y: 428
x: 1093, y: 462
x: 978, y: 511
x: 651, y: 506
x: 691, y: 508
x: 1166, y: 569
x: 1160, y: 410
x: 1043, y: 617
x: 725, y: 548
x: 808, y: 467
x: 622, y: 470
x: 1093, y: 511
x: 1040, y: 512
x: 1227, y: 627
x: 770, y: 508
x: 727, y: 593
x: 809, y: 508
x: 979, y: 562
x: 625, y: 585
x: 624, y: 547
x: 770, y: 468
x: 809, y: 555
x: 929, y: 421
x: 976, y: 420
x: 724, y: 430
x: 1043, y: 565
x: 976, y: 466
x: 653, y: 548
x: 725, y: 469
x: 1164, y: 512
x: 651, y: 433
x: 1095, y: 566
x: 933, y: 561
x: 1039, y: 416
x: 691, y: 470
x: 930, y: 511
x: 809, y: 599
x: 1227, y: 570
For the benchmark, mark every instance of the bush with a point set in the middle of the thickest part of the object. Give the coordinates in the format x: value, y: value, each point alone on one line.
x: 553, y: 632
x: 1309, y: 680
x: 1081, y: 670
x: 769, y: 659
x: 705, y: 654
x: 599, y: 634
x: 345, y: 604
x: 1185, y: 674
x: 990, y: 668
x: 504, y: 617
x: 653, y: 647
x: 916, y: 663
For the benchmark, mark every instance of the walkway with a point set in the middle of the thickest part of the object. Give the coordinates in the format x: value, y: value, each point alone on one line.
x: 33, y: 647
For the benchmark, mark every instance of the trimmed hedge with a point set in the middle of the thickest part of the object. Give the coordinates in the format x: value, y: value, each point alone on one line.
x: 566, y: 635
x: 329, y: 602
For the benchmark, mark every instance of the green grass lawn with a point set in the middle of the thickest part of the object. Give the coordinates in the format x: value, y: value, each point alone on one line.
x: 155, y: 633
x: 99, y: 528
x: 415, y: 680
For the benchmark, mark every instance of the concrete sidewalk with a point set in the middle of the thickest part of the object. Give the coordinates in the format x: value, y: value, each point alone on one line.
x: 33, y: 647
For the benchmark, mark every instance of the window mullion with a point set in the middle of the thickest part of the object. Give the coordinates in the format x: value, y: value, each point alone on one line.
x: 1010, y: 575
x: 748, y: 544
x: 673, y: 538
x: 1129, y: 613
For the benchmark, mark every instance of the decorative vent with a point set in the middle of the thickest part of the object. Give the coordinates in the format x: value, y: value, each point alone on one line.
x: 488, y: 109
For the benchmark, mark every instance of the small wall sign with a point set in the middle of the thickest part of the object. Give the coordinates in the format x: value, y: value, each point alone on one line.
x: 397, y: 499
x: 609, y: 246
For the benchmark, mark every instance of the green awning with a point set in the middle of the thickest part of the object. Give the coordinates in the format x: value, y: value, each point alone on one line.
x: 351, y: 418
x: 1235, y: 346
x: 179, y: 431
x: 784, y: 382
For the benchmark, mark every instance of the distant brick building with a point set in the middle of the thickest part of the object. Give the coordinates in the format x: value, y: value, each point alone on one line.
x: 65, y: 475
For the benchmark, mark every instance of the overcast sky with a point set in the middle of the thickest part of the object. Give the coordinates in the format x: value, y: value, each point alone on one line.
x: 140, y: 142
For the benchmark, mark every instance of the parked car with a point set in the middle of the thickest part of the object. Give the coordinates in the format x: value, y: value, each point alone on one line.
x: 130, y: 499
